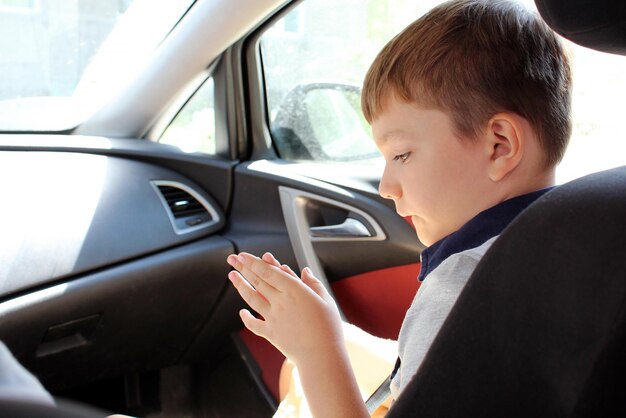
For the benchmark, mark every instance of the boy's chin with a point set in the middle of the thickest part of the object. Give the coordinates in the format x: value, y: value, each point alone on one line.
x: 422, y: 232
x: 426, y: 241
x: 427, y: 235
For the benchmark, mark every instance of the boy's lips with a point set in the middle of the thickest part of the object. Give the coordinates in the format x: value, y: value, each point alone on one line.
x: 402, y: 213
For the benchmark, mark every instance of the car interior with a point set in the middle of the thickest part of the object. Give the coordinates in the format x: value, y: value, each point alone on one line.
x: 113, y: 273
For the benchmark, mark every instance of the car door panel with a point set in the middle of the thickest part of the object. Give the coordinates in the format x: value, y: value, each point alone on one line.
x: 258, y: 215
x: 377, y: 300
x: 374, y: 280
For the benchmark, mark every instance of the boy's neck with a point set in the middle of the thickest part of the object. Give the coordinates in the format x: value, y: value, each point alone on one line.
x: 529, y: 184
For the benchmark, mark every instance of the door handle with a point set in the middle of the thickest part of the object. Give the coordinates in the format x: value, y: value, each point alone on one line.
x: 350, y: 228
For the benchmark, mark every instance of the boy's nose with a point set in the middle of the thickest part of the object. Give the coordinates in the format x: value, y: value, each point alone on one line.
x: 388, y: 188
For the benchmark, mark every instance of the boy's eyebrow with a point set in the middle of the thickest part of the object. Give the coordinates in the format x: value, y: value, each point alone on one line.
x: 395, y: 133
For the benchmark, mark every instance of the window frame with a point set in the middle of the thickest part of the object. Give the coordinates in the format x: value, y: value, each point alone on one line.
x: 262, y: 143
x: 215, y: 70
x: 253, y: 127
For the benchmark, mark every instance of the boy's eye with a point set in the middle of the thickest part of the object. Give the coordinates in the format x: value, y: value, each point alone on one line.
x: 402, y: 157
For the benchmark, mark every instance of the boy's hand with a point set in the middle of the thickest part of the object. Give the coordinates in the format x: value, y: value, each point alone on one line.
x: 299, y: 317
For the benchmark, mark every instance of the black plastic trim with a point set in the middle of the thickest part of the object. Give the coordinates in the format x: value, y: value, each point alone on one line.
x: 167, y: 297
x: 85, y: 212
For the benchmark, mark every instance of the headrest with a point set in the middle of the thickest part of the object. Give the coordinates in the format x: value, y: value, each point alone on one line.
x: 597, y: 24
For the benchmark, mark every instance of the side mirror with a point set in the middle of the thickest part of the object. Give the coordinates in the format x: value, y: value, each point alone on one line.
x: 322, y: 122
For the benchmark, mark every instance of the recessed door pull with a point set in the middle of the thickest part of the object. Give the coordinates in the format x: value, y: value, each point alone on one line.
x: 68, y: 335
x: 349, y: 228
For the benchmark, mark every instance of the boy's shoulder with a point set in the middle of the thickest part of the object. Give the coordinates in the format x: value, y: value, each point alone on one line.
x: 457, y: 268
x: 464, y: 260
x: 482, y: 228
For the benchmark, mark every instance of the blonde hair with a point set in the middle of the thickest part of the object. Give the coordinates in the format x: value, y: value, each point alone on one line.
x: 473, y: 59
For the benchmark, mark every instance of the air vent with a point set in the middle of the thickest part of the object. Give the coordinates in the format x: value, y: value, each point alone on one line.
x: 181, y: 203
x: 187, y: 209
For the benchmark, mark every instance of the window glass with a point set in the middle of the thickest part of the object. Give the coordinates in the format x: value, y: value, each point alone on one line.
x: 598, y: 141
x: 315, y: 58
x: 193, y: 128
x: 339, y: 137
x: 62, y: 60
x: 17, y: 6
x: 316, y: 55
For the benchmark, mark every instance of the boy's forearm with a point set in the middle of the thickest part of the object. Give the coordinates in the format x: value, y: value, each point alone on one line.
x: 330, y: 387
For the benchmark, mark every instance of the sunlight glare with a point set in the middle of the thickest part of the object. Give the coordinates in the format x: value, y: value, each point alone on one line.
x: 53, y: 205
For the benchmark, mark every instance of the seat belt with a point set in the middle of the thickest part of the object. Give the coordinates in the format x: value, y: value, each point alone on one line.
x: 379, y: 395
x: 382, y: 392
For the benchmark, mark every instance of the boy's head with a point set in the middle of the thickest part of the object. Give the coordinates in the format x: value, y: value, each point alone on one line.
x: 496, y: 72
x: 473, y: 59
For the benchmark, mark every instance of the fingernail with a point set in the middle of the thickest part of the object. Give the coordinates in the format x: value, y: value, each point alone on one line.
x: 231, y: 259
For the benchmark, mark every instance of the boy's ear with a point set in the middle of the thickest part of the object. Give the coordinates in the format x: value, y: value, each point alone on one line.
x: 506, y: 142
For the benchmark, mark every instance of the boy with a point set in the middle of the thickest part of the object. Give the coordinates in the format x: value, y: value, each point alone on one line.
x: 470, y: 107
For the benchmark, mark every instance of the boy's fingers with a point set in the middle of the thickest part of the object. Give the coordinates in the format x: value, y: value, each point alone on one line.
x: 313, y: 282
x: 288, y: 270
x: 257, y: 326
x: 267, y: 290
x: 258, y: 269
x: 269, y: 258
x: 248, y: 293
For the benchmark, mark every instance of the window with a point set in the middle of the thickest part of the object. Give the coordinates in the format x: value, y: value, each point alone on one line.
x: 312, y: 84
x: 290, y: 25
x: 598, y: 140
x: 62, y: 60
x: 18, y: 6
x: 193, y: 128
x: 313, y: 79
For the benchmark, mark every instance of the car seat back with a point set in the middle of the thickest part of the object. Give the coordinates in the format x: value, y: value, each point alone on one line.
x: 540, y: 328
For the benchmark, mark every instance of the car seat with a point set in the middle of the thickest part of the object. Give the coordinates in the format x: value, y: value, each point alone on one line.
x: 540, y: 328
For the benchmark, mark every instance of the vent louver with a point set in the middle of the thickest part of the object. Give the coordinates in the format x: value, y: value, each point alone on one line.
x: 187, y: 209
x: 181, y: 203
